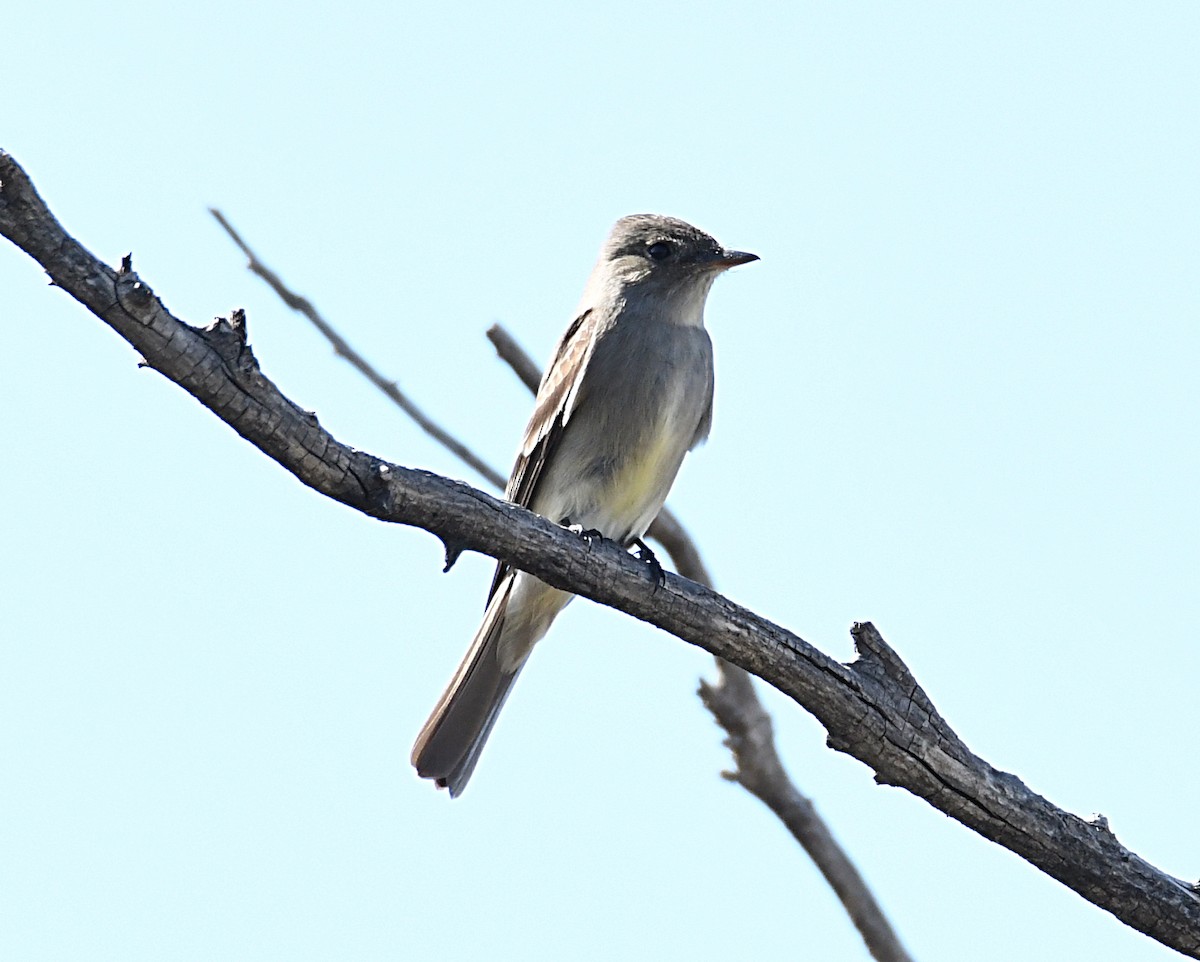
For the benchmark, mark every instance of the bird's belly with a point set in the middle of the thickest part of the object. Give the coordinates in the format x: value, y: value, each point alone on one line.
x: 638, y: 486
x: 618, y: 487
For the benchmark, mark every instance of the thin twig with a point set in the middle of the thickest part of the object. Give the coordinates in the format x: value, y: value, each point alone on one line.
x: 341, y: 348
x: 512, y: 354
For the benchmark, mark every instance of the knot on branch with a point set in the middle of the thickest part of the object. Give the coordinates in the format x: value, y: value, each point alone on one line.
x: 230, y: 339
x: 134, y: 295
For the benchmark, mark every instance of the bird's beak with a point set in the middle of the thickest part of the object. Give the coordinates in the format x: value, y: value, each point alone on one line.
x: 728, y: 259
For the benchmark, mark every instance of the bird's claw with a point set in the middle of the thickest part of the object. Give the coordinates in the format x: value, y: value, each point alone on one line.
x: 587, y: 534
x: 656, y: 569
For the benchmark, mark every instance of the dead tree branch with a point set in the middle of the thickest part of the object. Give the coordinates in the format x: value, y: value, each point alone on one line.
x: 759, y: 770
x: 872, y: 708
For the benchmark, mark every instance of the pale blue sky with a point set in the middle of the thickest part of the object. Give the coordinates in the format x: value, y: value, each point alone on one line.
x: 957, y: 397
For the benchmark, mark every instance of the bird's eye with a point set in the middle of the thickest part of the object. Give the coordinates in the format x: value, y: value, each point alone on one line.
x: 660, y: 250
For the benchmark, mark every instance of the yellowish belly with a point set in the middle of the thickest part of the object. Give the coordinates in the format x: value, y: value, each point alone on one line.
x: 637, y: 490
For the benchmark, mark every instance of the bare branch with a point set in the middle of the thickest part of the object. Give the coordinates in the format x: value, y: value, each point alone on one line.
x: 342, y: 349
x: 512, y: 354
x: 872, y: 708
x: 736, y: 707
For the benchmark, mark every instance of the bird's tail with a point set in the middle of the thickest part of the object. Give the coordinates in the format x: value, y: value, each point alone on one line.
x: 449, y: 744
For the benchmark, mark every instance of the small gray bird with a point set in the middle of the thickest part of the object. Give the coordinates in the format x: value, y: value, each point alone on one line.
x: 628, y: 394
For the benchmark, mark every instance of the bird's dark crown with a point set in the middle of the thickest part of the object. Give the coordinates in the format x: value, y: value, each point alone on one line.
x: 661, y: 240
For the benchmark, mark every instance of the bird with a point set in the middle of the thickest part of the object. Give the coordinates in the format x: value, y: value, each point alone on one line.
x: 627, y: 394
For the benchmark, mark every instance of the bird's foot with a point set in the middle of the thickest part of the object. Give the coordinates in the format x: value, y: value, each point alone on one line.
x: 587, y: 534
x: 656, y: 569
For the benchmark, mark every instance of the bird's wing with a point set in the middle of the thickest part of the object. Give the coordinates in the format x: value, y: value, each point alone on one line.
x: 557, y: 398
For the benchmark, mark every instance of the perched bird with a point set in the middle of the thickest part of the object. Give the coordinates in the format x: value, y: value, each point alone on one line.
x: 627, y: 395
